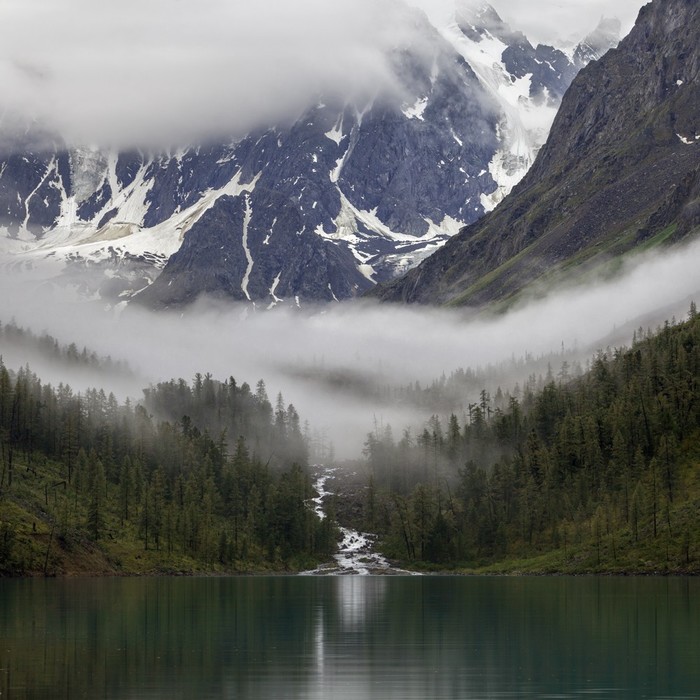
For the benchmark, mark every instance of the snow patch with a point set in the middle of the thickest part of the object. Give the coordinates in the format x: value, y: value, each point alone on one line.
x: 120, y: 238
x: 417, y: 110
x: 450, y: 225
x: 246, y: 223
x: 275, y: 299
x: 350, y: 219
x: 336, y: 133
x: 434, y: 71
x: 335, y: 173
x: 49, y: 169
x: 525, y: 124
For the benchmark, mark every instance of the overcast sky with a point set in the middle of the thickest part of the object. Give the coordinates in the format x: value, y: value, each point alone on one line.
x: 139, y: 70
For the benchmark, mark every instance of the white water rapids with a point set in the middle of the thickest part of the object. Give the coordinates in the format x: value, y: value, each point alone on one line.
x: 356, y: 555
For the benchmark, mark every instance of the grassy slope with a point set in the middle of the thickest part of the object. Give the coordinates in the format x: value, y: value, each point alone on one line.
x: 609, y: 547
x: 51, y: 539
x: 43, y: 532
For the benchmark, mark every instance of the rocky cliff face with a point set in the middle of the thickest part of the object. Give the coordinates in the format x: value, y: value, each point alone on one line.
x: 322, y: 208
x: 620, y: 170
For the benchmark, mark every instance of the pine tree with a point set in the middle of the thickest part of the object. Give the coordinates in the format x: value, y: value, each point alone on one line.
x: 96, y: 493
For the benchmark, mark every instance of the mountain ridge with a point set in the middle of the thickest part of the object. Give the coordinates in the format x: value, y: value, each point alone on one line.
x: 376, y: 186
x: 621, y: 165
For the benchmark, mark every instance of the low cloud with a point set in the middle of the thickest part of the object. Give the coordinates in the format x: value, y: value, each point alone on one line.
x: 553, y: 20
x: 174, y: 71
x: 167, y: 72
x: 329, y: 361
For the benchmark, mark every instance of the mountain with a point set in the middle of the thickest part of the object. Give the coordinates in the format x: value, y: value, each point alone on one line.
x: 620, y: 172
x: 319, y: 208
x: 597, y: 43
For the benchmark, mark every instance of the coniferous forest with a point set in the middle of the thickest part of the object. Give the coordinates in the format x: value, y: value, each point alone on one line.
x: 206, y: 476
x: 594, y: 469
x: 598, y: 472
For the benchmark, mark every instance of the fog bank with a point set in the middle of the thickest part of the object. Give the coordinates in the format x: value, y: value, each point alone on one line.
x: 328, y: 361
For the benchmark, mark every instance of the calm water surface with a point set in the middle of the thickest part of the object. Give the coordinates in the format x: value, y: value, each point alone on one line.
x: 350, y: 637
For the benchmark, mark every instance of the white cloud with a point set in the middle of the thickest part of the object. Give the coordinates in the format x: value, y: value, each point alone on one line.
x: 139, y: 71
x: 547, y: 20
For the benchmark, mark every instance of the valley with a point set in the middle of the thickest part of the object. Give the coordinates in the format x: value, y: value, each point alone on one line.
x: 350, y: 349
x: 477, y: 282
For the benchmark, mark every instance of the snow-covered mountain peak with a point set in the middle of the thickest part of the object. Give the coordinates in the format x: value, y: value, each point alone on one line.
x: 604, y: 37
x: 478, y: 20
x: 351, y: 192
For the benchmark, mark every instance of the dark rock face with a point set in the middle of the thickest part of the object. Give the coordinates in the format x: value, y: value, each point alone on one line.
x: 385, y: 168
x: 127, y: 168
x: 34, y: 171
x: 229, y: 253
x: 392, y: 156
x: 551, y: 69
x: 621, y: 165
x: 96, y: 203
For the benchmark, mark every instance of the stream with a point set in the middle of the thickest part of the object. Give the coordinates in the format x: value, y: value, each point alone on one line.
x: 356, y: 554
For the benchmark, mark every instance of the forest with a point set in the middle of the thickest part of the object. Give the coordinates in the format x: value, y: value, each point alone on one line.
x: 595, y: 470
x: 578, y: 469
x: 201, y: 476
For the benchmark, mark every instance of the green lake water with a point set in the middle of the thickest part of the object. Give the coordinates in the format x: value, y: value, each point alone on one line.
x: 350, y: 637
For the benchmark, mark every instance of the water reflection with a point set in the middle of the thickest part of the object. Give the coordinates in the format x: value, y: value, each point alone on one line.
x: 358, y: 600
x: 350, y: 637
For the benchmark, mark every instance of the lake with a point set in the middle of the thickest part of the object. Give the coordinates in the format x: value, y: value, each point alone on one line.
x: 354, y: 637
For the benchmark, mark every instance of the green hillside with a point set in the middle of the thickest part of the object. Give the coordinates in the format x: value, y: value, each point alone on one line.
x: 595, y: 473
x: 91, y: 486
